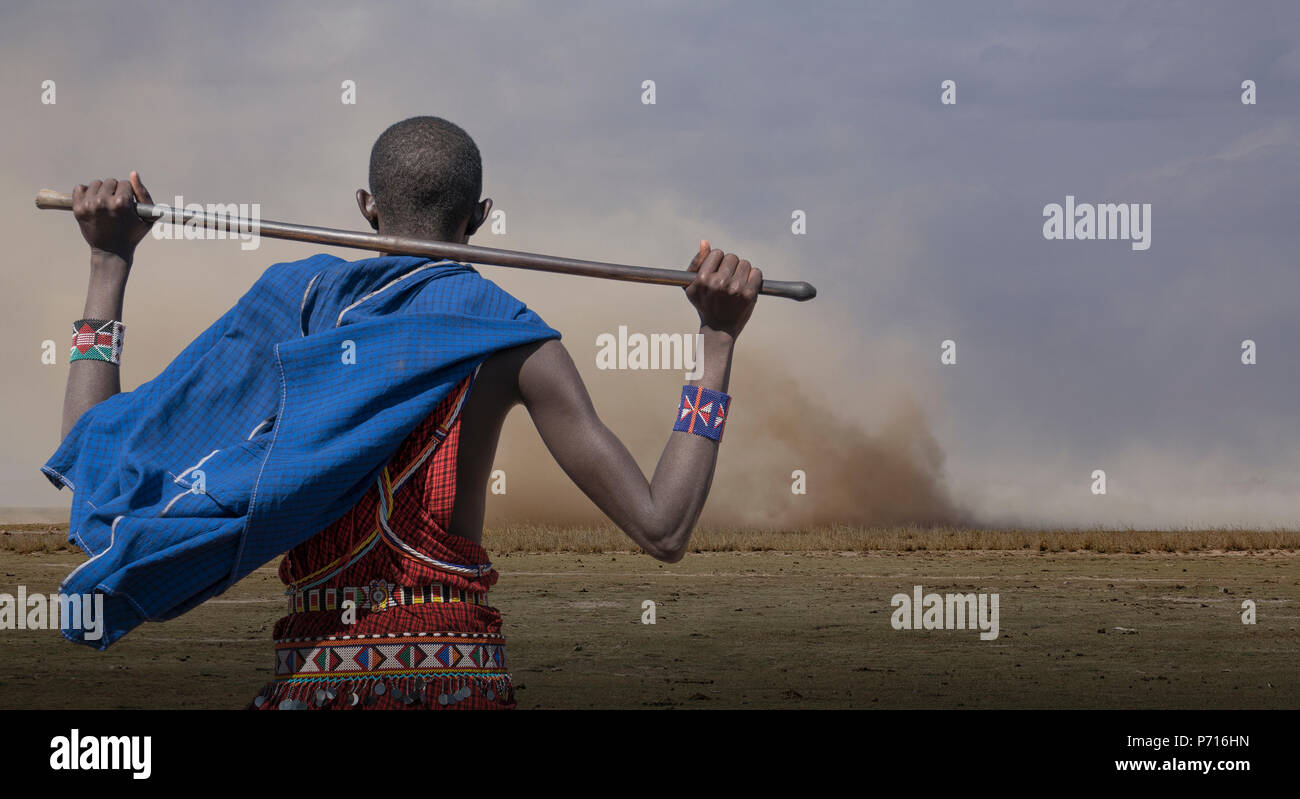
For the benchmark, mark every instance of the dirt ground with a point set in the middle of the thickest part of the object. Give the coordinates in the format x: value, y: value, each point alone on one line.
x: 762, y: 630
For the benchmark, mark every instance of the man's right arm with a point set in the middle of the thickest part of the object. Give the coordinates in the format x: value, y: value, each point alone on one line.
x: 658, y: 514
x: 105, y: 211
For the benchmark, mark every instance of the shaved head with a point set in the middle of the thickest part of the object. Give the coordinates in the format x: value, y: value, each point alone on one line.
x: 426, y: 176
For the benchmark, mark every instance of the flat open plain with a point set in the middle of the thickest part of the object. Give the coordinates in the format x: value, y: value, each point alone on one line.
x: 762, y: 629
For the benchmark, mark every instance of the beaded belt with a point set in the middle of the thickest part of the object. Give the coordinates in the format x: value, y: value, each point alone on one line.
x: 424, y: 668
x: 342, y: 657
x: 378, y: 596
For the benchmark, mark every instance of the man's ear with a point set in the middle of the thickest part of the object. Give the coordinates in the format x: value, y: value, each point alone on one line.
x: 366, y: 202
x: 479, y: 216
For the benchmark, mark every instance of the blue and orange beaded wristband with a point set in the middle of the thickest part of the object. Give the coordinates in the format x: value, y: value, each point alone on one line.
x: 703, y: 412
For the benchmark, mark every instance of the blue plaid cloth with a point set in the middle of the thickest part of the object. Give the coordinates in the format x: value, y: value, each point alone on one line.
x: 269, y: 426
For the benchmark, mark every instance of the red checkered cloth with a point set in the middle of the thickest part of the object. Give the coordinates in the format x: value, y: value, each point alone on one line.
x: 420, y: 515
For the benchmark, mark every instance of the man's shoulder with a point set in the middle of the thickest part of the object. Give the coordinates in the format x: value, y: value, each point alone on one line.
x: 496, y: 383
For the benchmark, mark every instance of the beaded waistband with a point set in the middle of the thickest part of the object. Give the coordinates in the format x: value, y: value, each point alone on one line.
x: 378, y: 596
x: 416, y: 670
x: 465, y: 654
x: 419, y: 691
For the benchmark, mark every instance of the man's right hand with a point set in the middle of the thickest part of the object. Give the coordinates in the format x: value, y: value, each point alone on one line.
x: 105, y: 210
x: 724, y: 291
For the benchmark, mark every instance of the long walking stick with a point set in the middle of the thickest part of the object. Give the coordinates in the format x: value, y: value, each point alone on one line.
x: 401, y: 245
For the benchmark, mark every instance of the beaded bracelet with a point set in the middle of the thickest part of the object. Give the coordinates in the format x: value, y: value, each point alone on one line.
x: 703, y: 412
x: 97, y: 340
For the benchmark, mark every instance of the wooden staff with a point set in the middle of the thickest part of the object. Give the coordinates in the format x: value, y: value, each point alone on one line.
x: 401, y: 245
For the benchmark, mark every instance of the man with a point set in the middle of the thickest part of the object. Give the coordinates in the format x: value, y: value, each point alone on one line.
x: 387, y: 602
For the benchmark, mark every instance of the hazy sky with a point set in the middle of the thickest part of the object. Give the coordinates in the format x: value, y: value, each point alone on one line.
x: 924, y: 220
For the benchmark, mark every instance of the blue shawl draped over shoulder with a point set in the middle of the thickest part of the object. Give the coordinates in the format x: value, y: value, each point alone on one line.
x: 269, y: 426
